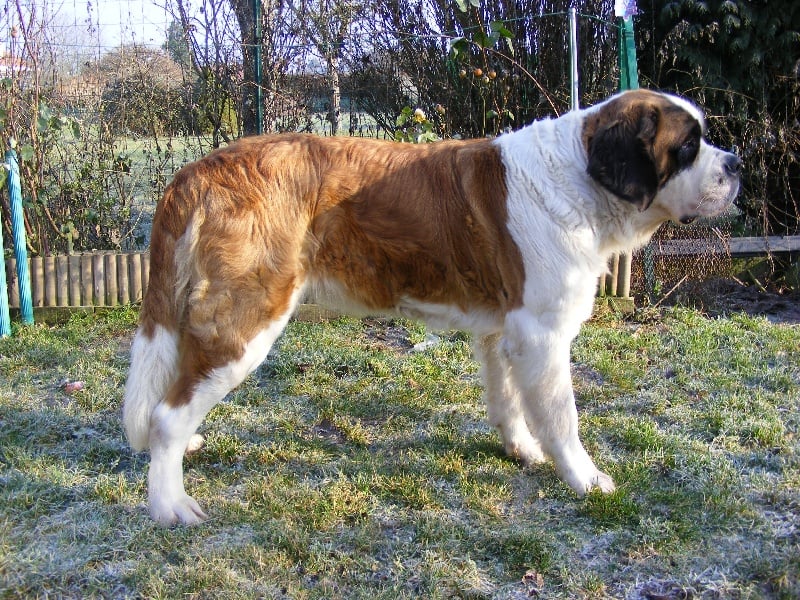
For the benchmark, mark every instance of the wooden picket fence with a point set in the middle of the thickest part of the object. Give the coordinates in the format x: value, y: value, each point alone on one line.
x: 83, y: 280
x: 107, y: 279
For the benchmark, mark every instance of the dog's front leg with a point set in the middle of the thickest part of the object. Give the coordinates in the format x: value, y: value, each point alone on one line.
x: 503, y: 403
x: 537, y: 350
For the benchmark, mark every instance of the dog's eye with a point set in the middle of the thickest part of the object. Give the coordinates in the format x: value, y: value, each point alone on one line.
x: 688, y: 151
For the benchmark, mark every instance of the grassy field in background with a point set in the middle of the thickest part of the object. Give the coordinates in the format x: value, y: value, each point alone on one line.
x: 349, y: 466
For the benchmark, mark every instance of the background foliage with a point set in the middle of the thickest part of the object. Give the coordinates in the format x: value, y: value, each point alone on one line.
x: 101, y: 135
x: 741, y: 60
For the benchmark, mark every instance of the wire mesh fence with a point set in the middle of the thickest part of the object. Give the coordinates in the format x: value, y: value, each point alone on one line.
x: 109, y: 98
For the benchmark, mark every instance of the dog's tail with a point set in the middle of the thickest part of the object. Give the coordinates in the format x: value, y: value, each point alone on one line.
x: 154, y: 357
x: 155, y: 347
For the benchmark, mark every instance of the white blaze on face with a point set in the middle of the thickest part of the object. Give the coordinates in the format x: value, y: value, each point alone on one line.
x: 709, y: 186
x: 705, y: 189
x: 720, y: 180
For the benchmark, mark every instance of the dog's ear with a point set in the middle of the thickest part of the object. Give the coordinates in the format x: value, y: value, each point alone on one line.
x: 619, y: 143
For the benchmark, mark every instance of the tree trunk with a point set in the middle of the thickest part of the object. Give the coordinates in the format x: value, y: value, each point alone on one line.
x: 335, y: 109
x: 243, y: 10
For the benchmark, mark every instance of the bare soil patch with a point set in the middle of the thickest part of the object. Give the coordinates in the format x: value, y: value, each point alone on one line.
x: 726, y: 296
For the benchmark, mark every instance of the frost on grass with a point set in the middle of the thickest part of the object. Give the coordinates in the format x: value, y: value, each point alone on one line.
x: 351, y: 467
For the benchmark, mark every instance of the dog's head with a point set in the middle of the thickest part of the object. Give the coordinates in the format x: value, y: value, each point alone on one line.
x: 648, y: 148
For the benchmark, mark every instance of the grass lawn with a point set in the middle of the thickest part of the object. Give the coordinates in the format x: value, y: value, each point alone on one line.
x: 348, y: 466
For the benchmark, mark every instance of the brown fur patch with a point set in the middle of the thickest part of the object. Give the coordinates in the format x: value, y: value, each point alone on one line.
x: 633, y: 141
x: 240, y: 230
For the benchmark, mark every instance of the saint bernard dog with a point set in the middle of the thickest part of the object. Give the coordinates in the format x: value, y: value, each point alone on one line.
x: 505, y: 238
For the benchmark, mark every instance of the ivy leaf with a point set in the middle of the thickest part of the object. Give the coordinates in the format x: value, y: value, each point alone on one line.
x: 42, y: 124
x: 500, y: 29
x: 44, y: 119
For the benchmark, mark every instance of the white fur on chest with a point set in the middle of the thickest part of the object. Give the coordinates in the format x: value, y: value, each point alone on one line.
x: 552, y: 219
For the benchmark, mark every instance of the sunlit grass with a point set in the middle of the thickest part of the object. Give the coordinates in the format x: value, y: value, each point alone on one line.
x: 349, y: 466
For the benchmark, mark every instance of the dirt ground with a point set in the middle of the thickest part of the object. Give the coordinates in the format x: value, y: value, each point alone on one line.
x: 725, y: 296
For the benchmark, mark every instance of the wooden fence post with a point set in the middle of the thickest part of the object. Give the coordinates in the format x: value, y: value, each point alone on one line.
x: 145, y: 271
x: 62, y: 280
x: 99, y: 282
x: 37, y: 280
x: 87, y: 283
x: 123, y: 280
x: 110, y: 276
x: 135, y: 270
x: 74, y: 262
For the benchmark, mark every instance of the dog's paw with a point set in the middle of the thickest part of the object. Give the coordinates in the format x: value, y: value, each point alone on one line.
x: 196, y: 442
x: 602, y: 482
x: 528, y: 454
x: 581, y: 475
x: 595, y: 481
x: 184, y: 510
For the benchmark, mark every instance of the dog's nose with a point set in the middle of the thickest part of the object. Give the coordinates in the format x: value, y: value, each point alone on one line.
x: 733, y: 164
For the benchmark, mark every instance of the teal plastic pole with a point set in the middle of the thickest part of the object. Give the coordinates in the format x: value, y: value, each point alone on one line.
x: 5, y: 318
x: 20, y: 244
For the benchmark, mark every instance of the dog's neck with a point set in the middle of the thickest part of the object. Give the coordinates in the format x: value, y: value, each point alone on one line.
x: 591, y: 215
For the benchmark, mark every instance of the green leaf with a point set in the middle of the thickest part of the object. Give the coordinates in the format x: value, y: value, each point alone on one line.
x: 3, y: 177
x: 459, y: 47
x: 26, y: 153
x: 461, y: 5
x: 500, y: 28
x: 483, y: 40
x: 42, y: 123
x: 123, y: 163
x: 427, y: 137
x: 76, y: 129
x: 404, y: 116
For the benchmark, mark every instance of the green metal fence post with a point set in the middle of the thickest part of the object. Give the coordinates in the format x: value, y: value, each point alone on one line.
x: 628, y: 71
x: 629, y: 80
x: 259, y: 99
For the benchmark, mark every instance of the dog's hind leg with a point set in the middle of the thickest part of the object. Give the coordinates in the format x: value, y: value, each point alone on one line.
x: 173, y: 422
x: 503, y: 407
